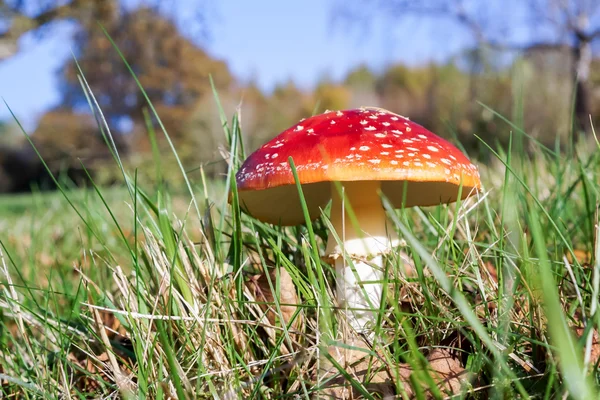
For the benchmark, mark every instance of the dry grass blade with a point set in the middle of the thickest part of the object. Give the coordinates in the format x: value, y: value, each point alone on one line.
x: 123, y: 382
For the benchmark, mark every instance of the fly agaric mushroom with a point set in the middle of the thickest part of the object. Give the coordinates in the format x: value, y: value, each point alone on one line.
x: 368, y: 151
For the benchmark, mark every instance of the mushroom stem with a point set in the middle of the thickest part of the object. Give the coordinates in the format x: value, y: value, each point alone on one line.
x: 359, y: 287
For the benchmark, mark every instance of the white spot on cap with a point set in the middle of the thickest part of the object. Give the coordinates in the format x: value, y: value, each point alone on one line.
x: 408, y: 129
x: 299, y: 128
x: 447, y: 171
x: 394, y: 118
x: 433, y: 148
x: 339, y: 113
x: 418, y: 164
x: 364, y: 122
x: 430, y: 164
x: 393, y: 162
x: 452, y: 157
x: 364, y: 148
x: 425, y: 155
x: 385, y: 124
x: 384, y: 153
x: 406, y: 163
x: 370, y: 128
x: 332, y: 122
x: 352, y: 148
x: 275, y: 155
x: 386, y: 146
x: 411, y: 154
x: 275, y: 146
x: 373, y: 116
x: 422, y: 136
x: 412, y: 149
x: 396, y: 131
x: 380, y: 135
x: 267, y: 156
x: 375, y: 161
x: 446, y: 161
x: 407, y: 141
x: 310, y: 130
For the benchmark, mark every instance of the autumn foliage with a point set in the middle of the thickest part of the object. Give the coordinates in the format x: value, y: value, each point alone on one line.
x: 534, y: 89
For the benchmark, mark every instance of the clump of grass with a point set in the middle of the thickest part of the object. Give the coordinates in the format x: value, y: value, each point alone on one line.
x: 146, y: 295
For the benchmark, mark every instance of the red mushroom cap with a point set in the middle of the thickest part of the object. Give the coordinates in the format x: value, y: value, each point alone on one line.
x: 363, y: 144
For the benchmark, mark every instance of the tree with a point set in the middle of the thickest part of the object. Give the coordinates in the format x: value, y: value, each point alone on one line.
x: 65, y: 137
x: 18, y: 17
x: 287, y: 105
x: 173, y: 70
x: 516, y: 25
x: 331, y: 96
x: 361, y: 82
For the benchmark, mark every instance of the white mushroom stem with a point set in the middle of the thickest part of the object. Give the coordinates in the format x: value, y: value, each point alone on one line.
x: 359, y: 288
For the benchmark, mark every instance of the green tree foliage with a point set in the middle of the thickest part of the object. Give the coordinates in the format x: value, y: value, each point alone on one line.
x: 331, y: 96
x: 287, y: 103
x: 360, y: 78
x: 513, y: 25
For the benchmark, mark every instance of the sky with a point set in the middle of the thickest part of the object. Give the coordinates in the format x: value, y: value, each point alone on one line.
x: 270, y: 41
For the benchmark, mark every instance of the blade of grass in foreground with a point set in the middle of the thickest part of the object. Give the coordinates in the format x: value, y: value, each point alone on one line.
x: 325, y: 309
x: 569, y: 360
x: 459, y: 299
x: 158, y: 119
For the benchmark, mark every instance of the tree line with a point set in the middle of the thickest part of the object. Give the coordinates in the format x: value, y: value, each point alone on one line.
x: 463, y: 96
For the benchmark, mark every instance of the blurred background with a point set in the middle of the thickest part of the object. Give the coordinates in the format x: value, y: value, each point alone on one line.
x: 444, y: 63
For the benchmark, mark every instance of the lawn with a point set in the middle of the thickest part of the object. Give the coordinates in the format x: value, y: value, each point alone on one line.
x: 141, y: 291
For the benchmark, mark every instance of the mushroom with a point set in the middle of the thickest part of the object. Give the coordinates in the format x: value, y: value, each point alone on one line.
x: 369, y: 151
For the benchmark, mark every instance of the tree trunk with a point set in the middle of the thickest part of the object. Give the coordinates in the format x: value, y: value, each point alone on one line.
x: 582, y: 60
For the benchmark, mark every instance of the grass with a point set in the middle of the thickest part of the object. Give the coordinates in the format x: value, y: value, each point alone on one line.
x: 137, y: 292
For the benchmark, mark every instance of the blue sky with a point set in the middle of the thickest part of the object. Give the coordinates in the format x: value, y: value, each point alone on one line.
x: 268, y: 40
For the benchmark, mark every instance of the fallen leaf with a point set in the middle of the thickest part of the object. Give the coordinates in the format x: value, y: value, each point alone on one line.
x: 356, y: 361
x: 288, y: 298
x: 112, y: 325
x: 583, y: 257
x: 492, y: 272
x: 447, y: 371
x: 443, y: 366
x: 595, y: 347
